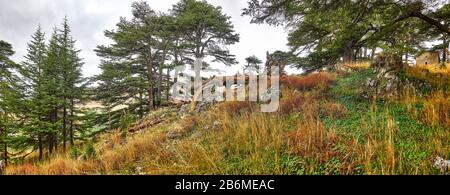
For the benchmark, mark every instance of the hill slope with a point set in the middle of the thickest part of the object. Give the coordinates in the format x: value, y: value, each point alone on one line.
x: 323, y: 126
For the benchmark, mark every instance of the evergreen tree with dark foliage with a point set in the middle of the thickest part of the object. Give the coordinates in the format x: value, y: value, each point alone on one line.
x: 72, y: 82
x: 54, y: 84
x: 330, y: 30
x: 10, y: 105
x: 147, y: 47
x: 206, y: 30
x: 33, y: 75
x: 132, y: 67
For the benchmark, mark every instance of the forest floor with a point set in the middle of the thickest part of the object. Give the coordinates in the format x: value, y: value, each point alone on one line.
x: 323, y: 126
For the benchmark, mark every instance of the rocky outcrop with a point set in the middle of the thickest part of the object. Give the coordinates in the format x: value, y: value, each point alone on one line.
x: 156, y: 117
x: 2, y: 166
x: 386, y: 82
x: 273, y: 60
x: 198, y: 106
x: 173, y: 135
x: 442, y: 164
x: 184, y: 109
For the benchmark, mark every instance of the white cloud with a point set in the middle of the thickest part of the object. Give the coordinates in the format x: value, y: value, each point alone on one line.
x: 89, y: 18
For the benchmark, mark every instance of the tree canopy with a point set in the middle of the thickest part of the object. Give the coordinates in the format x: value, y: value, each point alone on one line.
x: 331, y: 30
x: 136, y: 67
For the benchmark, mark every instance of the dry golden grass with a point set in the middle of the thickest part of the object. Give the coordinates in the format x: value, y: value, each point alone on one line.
x: 60, y: 165
x: 255, y: 136
x: 436, y: 76
x: 236, y: 107
x: 315, y: 102
x: 390, y: 149
x: 333, y: 110
x: 435, y: 110
x: 308, y: 82
x: 313, y: 139
x: 257, y: 139
x: 120, y: 157
x: 357, y: 66
x: 436, y: 68
x: 291, y: 102
x: 115, y: 153
x: 224, y: 142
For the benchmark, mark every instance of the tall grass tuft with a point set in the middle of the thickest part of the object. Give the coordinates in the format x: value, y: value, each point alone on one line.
x: 308, y: 82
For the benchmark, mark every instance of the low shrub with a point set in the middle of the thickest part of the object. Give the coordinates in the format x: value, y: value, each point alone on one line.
x: 236, y: 107
x: 436, y: 109
x: 308, y: 82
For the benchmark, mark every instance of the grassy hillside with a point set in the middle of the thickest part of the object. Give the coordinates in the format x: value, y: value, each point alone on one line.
x: 323, y: 126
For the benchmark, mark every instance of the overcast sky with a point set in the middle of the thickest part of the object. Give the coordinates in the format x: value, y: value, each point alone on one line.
x: 89, y: 18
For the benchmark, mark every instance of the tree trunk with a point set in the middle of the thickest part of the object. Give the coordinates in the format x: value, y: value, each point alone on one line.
x: 372, y: 56
x: 445, y: 51
x: 72, y: 106
x: 5, y: 145
x: 365, y: 53
x: 446, y: 55
x: 55, y: 141
x: 41, y: 149
x: 55, y: 121
x: 160, y: 76
x: 6, y: 152
x: 64, y: 130
x: 406, y: 57
x: 349, y: 53
x: 49, y: 137
x: 109, y: 117
x: 50, y: 143
x: 150, y: 82
x: 168, y: 85
x: 348, y: 56
x: 168, y: 78
x: 141, y: 100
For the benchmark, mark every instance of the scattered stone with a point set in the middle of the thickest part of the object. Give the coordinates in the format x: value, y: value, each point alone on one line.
x: 145, y: 124
x: 235, y: 87
x: 370, y: 82
x: 2, y: 166
x: 139, y: 171
x: 173, y: 135
x: 184, y: 109
x: 442, y: 164
x: 386, y: 82
x: 267, y: 95
x: 216, y: 124
x: 205, y: 104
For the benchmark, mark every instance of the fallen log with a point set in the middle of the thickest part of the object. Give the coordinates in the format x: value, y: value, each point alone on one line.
x: 145, y: 125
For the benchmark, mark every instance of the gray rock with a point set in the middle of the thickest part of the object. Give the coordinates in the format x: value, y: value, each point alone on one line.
x: 139, y: 171
x: 385, y: 84
x: 442, y: 164
x: 173, y: 135
x: 266, y: 96
x: 371, y: 82
x: 2, y: 166
x: 390, y: 76
x: 184, y: 109
x: 216, y: 124
x: 205, y: 104
x: 235, y: 86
